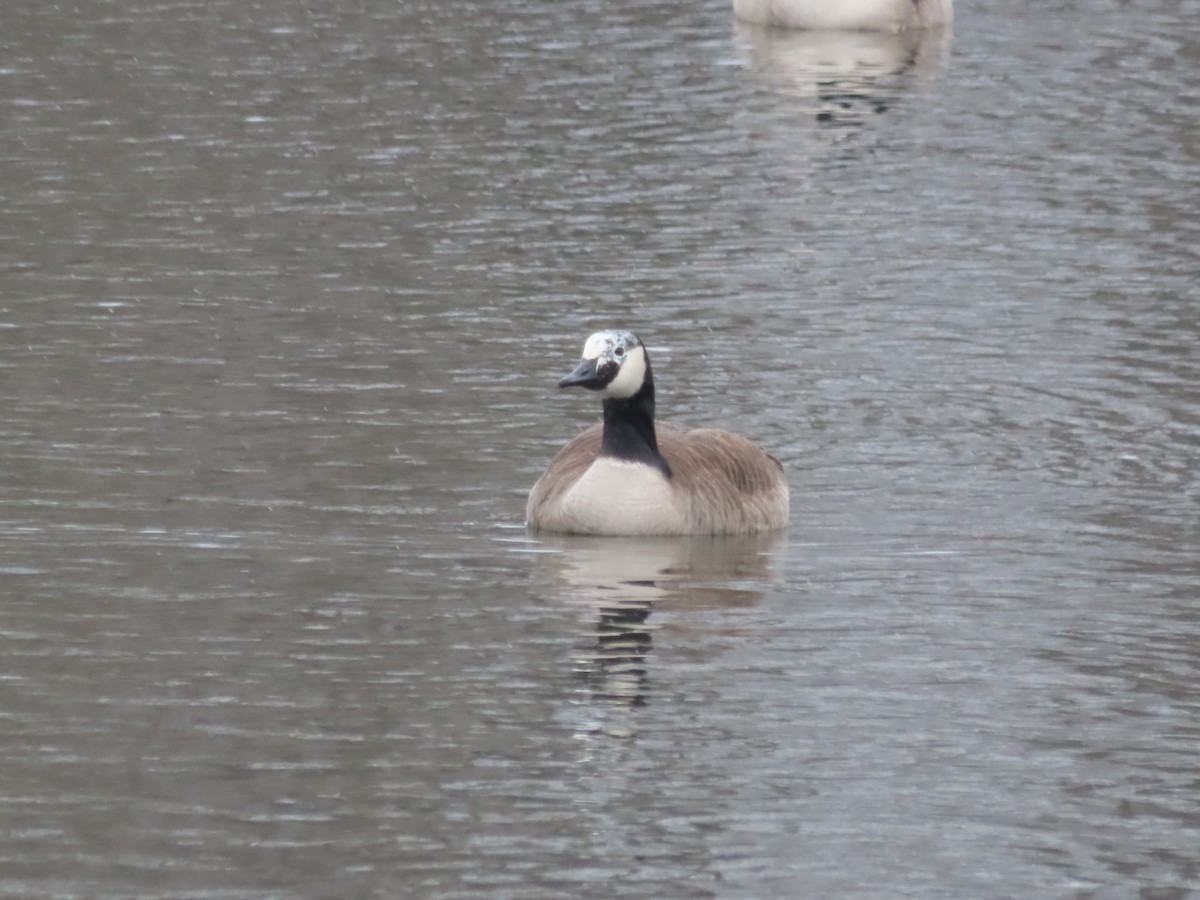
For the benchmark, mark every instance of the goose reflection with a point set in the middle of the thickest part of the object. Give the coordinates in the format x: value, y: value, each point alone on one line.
x: 618, y: 583
x: 844, y: 78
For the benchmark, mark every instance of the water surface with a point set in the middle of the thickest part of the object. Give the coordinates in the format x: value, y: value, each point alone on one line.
x: 285, y: 292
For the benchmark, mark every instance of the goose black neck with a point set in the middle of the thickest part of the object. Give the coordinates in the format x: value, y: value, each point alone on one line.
x: 629, y: 428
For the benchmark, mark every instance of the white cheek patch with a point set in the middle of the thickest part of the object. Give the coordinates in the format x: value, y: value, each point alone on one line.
x: 629, y: 380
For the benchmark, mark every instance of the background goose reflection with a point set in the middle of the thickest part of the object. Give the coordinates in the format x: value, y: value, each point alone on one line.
x: 843, y: 79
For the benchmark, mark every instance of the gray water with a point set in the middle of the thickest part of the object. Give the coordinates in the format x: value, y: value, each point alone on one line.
x: 284, y: 291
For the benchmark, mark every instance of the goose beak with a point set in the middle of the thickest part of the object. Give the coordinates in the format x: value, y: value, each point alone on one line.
x: 584, y: 375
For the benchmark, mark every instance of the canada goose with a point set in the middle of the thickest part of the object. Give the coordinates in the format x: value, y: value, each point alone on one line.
x: 849, y: 15
x: 625, y: 477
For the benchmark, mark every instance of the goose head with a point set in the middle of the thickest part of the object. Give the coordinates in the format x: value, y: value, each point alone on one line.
x: 614, y: 365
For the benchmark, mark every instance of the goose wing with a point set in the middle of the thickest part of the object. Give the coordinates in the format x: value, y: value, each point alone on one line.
x: 731, y: 484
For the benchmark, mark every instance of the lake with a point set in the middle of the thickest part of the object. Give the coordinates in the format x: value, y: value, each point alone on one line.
x: 285, y: 291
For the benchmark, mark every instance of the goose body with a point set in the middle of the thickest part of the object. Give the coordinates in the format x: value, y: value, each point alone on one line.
x: 631, y: 476
x: 850, y: 15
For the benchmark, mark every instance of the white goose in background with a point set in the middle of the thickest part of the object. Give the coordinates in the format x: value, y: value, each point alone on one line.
x: 849, y: 15
x: 626, y: 476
